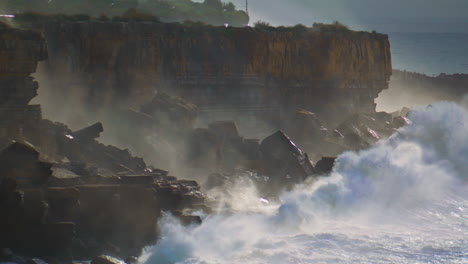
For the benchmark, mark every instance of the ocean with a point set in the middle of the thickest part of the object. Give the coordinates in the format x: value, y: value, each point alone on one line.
x: 430, y: 53
x: 404, y: 200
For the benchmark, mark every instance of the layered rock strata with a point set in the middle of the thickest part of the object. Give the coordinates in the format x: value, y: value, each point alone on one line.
x: 249, y: 70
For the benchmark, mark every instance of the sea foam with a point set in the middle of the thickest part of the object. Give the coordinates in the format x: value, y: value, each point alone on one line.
x: 404, y: 200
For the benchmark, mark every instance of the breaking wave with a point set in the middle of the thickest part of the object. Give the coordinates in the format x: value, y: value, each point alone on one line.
x: 404, y: 200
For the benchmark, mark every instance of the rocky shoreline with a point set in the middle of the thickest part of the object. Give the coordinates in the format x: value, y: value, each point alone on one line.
x: 64, y: 196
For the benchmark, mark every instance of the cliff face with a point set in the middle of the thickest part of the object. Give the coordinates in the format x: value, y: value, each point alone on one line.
x: 98, y: 64
x: 42, y: 203
x: 20, y: 51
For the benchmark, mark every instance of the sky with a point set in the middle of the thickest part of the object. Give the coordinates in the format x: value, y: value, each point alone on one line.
x: 380, y: 15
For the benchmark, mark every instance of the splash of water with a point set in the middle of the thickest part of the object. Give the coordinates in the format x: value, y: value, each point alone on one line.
x: 403, y: 200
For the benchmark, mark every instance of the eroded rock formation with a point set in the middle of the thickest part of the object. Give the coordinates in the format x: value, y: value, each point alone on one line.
x: 113, y: 200
x: 98, y: 64
x: 66, y: 195
x: 20, y: 52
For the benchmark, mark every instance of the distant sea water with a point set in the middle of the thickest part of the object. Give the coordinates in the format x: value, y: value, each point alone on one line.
x: 430, y: 53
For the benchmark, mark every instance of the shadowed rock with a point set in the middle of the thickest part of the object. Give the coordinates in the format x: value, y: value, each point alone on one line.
x: 21, y: 162
x: 325, y: 165
x: 105, y: 259
x: 285, y: 160
x: 89, y: 133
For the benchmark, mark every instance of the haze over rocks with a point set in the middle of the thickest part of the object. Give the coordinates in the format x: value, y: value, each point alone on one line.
x: 185, y: 97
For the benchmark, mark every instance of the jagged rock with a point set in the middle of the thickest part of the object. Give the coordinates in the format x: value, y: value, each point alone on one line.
x: 284, y: 160
x: 104, y: 259
x: 404, y: 111
x: 325, y: 165
x: 314, y: 136
x: 177, y: 195
x: 69, y: 174
x: 306, y: 126
x: 37, y: 261
x: 88, y: 133
x: 57, y: 141
x: 21, y: 162
x: 362, y: 130
x: 53, y: 201
x: 131, y: 260
x: 158, y: 173
x: 400, y: 121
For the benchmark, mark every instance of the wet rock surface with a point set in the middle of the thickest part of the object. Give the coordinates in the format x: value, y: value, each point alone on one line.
x: 285, y: 160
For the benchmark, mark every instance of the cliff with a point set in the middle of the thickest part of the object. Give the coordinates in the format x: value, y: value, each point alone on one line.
x: 20, y: 52
x: 59, y: 187
x: 107, y: 64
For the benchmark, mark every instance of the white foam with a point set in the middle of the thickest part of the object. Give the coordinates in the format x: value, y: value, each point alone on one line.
x: 402, y: 201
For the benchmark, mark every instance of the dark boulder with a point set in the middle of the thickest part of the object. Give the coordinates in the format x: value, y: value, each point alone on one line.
x: 88, y: 133
x: 362, y: 130
x: 21, y: 162
x: 284, y: 161
x: 131, y: 260
x: 325, y: 165
x: 306, y: 127
x: 105, y: 259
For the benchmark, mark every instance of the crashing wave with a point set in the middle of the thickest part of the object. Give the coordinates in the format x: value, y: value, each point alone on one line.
x: 403, y: 200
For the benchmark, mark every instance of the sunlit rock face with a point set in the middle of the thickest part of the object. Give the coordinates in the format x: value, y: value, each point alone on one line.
x: 20, y: 51
x: 113, y: 63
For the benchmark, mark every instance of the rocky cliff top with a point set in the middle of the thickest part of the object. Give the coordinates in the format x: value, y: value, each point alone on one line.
x: 324, y: 69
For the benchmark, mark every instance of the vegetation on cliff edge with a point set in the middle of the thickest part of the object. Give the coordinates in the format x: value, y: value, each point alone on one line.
x: 213, y: 12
